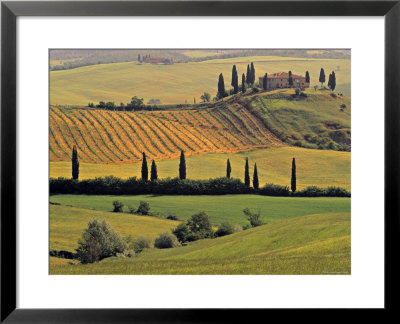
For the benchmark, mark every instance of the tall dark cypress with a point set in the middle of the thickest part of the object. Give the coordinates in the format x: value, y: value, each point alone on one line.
x: 182, y: 166
x: 75, y: 164
x: 243, y: 83
x: 293, y: 180
x: 248, y: 75
x: 153, y: 172
x: 332, y: 81
x: 145, y: 170
x: 265, y: 80
x: 228, y: 169
x: 255, y: 177
x: 290, y: 79
x: 253, y: 73
x: 221, y: 86
x: 307, y: 77
x: 247, y: 173
x: 322, y: 77
x: 235, y: 80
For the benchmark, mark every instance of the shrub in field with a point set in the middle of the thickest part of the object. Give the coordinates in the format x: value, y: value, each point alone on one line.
x: 172, y: 217
x: 144, y: 208
x: 337, y: 192
x: 224, y: 229
x: 117, y: 206
x: 200, y: 226
x: 141, y: 243
x: 182, y: 232
x: 99, y: 241
x: 274, y: 190
x: 311, y: 191
x: 238, y: 228
x: 255, y: 219
x: 165, y: 241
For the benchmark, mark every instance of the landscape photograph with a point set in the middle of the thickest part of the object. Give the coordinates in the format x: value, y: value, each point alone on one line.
x: 200, y: 161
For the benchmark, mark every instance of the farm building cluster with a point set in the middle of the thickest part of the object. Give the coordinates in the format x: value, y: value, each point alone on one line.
x: 280, y: 80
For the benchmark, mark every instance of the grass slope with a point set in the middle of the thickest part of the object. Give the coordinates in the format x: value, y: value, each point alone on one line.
x: 219, y: 208
x: 315, y: 121
x: 313, y: 244
x: 67, y: 224
x: 314, y: 167
x: 176, y: 83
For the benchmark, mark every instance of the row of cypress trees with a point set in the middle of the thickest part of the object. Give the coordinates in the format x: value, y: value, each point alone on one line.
x: 248, y: 79
x: 182, y: 170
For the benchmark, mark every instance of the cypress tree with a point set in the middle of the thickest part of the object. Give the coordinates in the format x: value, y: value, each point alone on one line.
x: 221, y: 86
x: 248, y: 75
x: 307, y: 77
x: 182, y: 166
x: 228, y: 169
x: 293, y: 180
x: 332, y: 81
x: 322, y: 77
x: 253, y: 73
x: 265, y: 79
x: 255, y: 177
x: 243, y: 83
x: 290, y: 79
x: 75, y: 164
x: 247, y: 173
x: 153, y: 172
x: 235, y: 80
x: 145, y: 170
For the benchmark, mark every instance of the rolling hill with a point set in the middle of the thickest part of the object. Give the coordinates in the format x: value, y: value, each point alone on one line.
x: 177, y: 83
x: 313, y: 244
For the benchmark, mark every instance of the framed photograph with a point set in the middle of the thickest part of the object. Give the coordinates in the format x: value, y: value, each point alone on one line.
x: 186, y: 161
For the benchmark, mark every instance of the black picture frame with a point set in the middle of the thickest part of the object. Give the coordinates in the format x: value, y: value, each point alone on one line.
x: 9, y: 13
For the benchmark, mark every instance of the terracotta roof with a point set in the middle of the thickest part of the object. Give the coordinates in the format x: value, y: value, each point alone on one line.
x: 283, y: 75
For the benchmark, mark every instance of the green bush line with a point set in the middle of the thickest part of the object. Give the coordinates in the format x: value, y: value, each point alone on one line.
x: 144, y: 132
x: 101, y: 136
x: 82, y: 118
x: 175, y: 186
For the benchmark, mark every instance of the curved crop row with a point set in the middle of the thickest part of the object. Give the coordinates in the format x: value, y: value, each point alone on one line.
x: 121, y: 137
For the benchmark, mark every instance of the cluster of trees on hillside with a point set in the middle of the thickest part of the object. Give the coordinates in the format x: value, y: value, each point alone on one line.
x: 248, y: 80
x: 135, y: 104
x: 331, y: 79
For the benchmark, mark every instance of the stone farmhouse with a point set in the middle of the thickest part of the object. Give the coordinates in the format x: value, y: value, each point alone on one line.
x: 280, y: 80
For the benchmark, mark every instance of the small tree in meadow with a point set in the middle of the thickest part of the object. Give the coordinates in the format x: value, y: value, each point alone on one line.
x: 205, y: 97
x: 117, y: 206
x: 307, y: 77
x: 255, y: 219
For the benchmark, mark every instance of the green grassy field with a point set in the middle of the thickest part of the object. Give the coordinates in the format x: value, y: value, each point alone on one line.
x: 176, y: 83
x: 219, y: 208
x: 67, y: 224
x: 313, y: 244
x: 321, y: 168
